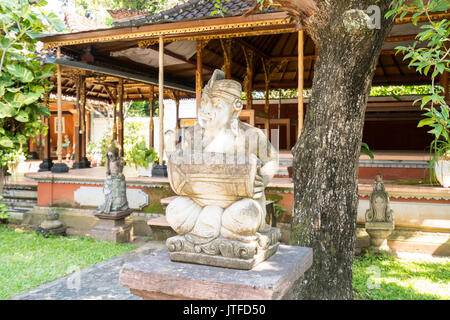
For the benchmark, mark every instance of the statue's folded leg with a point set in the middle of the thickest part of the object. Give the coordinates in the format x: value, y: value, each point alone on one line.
x: 182, y: 214
x: 241, y: 220
x: 207, y: 227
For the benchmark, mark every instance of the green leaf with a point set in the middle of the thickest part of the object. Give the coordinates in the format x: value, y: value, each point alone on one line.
x: 44, y: 111
x: 6, y: 142
x: 425, y: 122
x: 22, y: 116
x: 6, y: 110
x: 20, y: 72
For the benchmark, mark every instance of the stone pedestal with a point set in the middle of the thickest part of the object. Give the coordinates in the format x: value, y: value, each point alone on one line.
x: 59, y: 167
x: 112, y: 227
x: 52, y: 225
x: 45, y: 165
x: 160, y: 170
x: 227, y: 253
x: 379, y: 232
x: 155, y: 277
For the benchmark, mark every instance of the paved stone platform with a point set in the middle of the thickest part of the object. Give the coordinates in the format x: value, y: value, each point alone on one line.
x: 98, y: 282
x: 155, y: 277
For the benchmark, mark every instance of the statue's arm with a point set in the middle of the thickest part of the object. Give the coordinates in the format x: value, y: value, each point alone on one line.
x: 269, y: 156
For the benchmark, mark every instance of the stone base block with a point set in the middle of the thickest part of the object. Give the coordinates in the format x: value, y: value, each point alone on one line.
x: 160, y: 170
x: 224, y: 252
x: 59, y: 167
x: 156, y: 277
x: 55, y: 231
x: 45, y: 165
x: 112, y: 230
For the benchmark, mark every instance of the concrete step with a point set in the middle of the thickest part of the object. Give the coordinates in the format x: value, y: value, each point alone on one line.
x: 20, y: 196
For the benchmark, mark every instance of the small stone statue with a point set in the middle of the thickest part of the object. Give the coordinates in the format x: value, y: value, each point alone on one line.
x: 112, y: 213
x: 379, y: 210
x: 114, y: 187
x: 379, y: 216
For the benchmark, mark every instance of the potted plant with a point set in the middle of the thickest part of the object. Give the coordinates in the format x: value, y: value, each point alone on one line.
x: 142, y: 158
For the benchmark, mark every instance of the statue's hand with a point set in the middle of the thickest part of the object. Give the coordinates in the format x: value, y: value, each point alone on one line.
x: 258, y: 185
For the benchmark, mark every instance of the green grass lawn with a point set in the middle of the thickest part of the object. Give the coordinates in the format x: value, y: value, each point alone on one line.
x: 27, y: 259
x: 383, y: 277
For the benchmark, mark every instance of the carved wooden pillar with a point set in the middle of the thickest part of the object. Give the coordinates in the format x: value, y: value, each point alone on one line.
x: 161, y: 100
x: 150, y: 125
x: 199, y: 73
x: 47, y: 163
x: 121, y: 120
x: 266, y: 85
x: 59, y: 167
x: 249, y: 55
x: 77, y: 134
x: 114, y: 103
x: 226, y: 46
x: 84, y: 126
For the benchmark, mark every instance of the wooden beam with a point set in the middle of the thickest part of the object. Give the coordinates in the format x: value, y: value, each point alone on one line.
x: 300, y: 81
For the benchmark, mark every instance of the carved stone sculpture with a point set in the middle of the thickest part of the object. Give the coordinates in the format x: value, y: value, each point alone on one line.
x: 379, y: 216
x: 113, y: 211
x: 114, y: 188
x: 219, y: 171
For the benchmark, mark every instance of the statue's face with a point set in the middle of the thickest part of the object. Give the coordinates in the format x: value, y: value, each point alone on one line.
x: 214, y: 113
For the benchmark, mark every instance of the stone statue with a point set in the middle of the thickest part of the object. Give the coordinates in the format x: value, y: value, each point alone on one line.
x: 114, y: 187
x: 219, y: 171
x: 379, y: 216
x: 379, y: 210
x: 112, y: 213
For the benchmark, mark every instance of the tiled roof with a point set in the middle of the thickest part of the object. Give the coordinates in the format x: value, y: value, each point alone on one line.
x: 77, y: 23
x: 119, y: 14
x: 191, y: 10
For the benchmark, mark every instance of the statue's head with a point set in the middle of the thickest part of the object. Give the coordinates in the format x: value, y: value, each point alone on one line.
x: 113, y: 152
x: 221, y: 102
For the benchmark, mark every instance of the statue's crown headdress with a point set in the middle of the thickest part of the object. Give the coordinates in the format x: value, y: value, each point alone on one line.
x: 228, y: 89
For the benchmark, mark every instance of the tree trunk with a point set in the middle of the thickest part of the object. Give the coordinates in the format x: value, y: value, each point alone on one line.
x: 325, y: 168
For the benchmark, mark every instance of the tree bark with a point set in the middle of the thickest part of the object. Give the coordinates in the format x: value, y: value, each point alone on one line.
x: 325, y: 169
